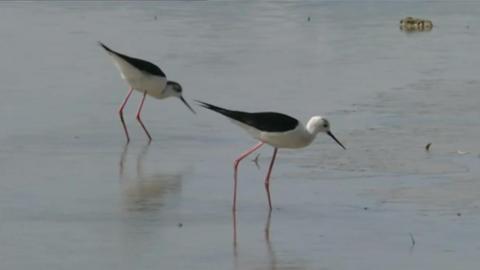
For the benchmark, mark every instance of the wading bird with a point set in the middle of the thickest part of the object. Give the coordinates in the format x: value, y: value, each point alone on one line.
x: 276, y: 129
x: 146, y: 78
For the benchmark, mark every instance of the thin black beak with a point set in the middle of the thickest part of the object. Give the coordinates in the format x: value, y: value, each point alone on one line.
x: 329, y: 133
x: 186, y: 104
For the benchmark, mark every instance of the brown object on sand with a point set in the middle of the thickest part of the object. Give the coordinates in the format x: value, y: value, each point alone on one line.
x: 411, y: 24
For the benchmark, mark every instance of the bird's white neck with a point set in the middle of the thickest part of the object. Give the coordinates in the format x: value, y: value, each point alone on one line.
x: 309, y: 133
x: 311, y: 128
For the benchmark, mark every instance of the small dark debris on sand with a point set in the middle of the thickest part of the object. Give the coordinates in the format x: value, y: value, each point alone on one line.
x: 180, y: 225
x: 412, y: 239
x: 459, y: 214
x: 427, y: 147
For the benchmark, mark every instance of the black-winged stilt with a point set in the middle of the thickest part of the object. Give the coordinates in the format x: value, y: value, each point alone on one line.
x: 144, y: 77
x: 276, y: 129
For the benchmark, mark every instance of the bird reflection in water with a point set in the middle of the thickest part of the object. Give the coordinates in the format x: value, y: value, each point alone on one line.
x: 144, y: 191
x: 273, y: 263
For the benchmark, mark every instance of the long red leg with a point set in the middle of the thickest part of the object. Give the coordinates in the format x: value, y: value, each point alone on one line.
x: 235, y: 246
x: 140, y: 120
x: 120, y: 112
x: 234, y: 223
x: 267, y: 178
x: 235, y: 167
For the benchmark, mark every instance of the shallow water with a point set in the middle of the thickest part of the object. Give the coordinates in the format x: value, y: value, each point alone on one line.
x: 73, y: 195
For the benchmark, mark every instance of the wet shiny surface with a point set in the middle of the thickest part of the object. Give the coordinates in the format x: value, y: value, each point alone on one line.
x: 72, y: 195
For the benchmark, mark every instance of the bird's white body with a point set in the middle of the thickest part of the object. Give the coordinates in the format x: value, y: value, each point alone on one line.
x: 297, y: 138
x: 153, y: 85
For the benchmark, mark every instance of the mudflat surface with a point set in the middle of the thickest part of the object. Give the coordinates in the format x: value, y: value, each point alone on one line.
x: 74, y: 196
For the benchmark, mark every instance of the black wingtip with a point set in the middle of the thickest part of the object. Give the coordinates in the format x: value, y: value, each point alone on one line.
x: 210, y: 106
x: 203, y: 104
x: 214, y: 108
x: 105, y: 47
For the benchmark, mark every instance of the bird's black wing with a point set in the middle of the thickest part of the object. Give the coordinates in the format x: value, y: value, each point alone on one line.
x: 263, y: 121
x: 137, y: 63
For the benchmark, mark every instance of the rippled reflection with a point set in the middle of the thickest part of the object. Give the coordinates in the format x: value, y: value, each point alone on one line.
x: 272, y: 261
x: 145, y: 191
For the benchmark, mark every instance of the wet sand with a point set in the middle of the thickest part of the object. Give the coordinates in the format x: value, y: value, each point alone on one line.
x: 73, y: 195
